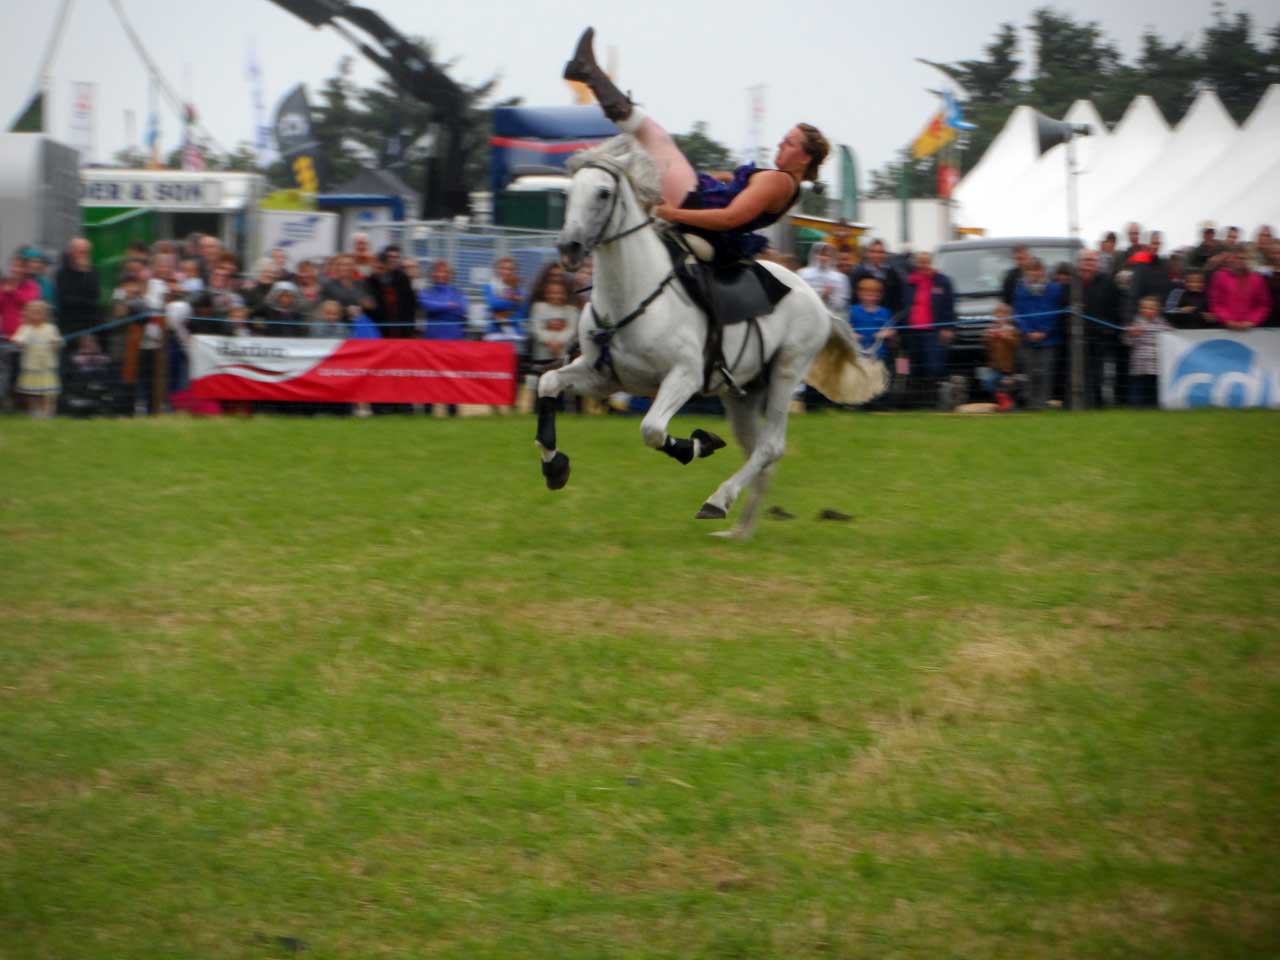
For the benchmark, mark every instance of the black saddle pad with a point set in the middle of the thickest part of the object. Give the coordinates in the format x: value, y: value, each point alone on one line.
x: 742, y: 290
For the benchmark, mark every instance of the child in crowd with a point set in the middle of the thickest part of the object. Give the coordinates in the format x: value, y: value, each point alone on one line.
x: 329, y: 322
x: 1037, y: 305
x: 1188, y: 306
x: 871, y: 322
x: 38, y: 272
x: 189, y: 277
x: 554, y: 321
x: 40, y: 342
x: 1144, y: 363
x: 505, y: 300
x: 238, y: 321
x: 1000, y: 375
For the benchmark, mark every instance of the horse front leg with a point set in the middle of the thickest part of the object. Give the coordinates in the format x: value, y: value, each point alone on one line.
x: 676, y: 388
x: 580, y: 376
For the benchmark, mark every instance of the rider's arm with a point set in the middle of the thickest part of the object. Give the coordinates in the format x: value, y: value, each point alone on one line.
x: 762, y: 193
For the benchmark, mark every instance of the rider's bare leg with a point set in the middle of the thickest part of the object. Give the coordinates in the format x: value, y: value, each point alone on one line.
x: 678, y: 177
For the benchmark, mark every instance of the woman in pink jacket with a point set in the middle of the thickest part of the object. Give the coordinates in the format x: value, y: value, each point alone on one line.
x: 1238, y: 297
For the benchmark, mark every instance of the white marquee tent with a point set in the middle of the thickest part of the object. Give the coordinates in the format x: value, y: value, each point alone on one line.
x: 1204, y: 169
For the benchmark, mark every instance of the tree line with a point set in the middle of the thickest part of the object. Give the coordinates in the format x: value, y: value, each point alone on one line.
x: 1076, y: 60
x: 378, y: 127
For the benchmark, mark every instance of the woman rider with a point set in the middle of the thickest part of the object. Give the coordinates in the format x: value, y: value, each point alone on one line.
x: 724, y: 213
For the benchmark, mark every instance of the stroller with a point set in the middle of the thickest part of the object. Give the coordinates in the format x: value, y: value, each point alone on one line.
x: 92, y: 384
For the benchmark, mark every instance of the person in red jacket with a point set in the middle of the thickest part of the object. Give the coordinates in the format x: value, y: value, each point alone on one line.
x: 17, y: 289
x: 1238, y: 297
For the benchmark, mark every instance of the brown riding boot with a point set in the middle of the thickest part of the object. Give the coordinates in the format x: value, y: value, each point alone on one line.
x: 583, y: 68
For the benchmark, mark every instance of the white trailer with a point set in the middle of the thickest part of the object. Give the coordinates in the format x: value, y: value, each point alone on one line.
x: 39, y: 193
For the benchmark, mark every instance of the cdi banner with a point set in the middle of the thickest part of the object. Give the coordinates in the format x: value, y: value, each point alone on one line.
x: 1219, y: 368
x: 353, y: 371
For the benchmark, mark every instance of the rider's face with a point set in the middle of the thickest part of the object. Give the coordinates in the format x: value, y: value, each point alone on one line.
x: 791, y: 151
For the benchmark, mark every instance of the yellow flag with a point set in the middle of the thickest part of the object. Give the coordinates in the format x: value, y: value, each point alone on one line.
x: 933, y: 138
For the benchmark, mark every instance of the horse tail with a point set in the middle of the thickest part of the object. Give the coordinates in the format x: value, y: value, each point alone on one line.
x: 842, y: 371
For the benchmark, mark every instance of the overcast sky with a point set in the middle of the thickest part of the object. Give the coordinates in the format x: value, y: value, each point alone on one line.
x: 845, y: 65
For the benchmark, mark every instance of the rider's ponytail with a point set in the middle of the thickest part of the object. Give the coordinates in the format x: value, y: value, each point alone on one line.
x: 816, y: 146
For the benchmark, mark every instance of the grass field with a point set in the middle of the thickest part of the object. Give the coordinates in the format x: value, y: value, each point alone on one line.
x: 366, y: 689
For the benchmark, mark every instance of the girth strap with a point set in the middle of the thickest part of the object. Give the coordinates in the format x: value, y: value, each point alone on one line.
x: 602, y: 336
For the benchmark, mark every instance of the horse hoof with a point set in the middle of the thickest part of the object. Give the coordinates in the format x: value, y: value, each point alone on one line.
x: 556, y: 470
x: 708, y: 443
x: 710, y: 511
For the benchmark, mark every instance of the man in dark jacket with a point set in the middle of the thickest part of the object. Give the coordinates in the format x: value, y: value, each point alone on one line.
x: 1207, y: 249
x: 1134, y: 232
x: 1151, y: 276
x: 1100, y: 301
x: 395, y: 305
x: 875, y: 264
x: 928, y: 315
x: 78, y: 289
x: 1021, y: 255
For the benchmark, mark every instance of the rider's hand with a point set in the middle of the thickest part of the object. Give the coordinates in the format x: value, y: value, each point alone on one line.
x: 665, y: 211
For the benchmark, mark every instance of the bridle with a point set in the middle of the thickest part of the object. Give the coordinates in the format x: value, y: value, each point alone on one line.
x: 605, y: 329
x: 616, y: 175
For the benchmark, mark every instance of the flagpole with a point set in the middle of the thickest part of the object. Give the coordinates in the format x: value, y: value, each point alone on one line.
x: 174, y: 100
x: 46, y: 67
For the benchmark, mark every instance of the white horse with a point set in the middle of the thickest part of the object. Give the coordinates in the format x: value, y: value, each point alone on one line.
x: 642, y: 334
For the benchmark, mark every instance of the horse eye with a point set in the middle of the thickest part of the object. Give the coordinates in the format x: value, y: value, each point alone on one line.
x: 602, y: 193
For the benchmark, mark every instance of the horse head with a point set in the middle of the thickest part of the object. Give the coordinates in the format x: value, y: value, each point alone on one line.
x: 612, y: 185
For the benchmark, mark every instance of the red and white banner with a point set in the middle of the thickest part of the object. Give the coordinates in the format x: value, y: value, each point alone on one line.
x: 353, y: 371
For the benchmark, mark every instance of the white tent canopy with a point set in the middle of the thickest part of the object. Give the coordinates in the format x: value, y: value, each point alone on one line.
x: 1206, y: 169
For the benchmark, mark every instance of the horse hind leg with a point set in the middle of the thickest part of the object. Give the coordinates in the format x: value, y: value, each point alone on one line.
x: 771, y: 443
x: 744, y: 417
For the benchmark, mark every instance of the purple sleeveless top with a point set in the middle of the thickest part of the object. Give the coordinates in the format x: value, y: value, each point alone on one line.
x: 740, y: 243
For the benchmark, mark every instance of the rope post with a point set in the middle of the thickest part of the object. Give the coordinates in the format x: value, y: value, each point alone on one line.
x: 1077, y: 292
x: 160, y: 373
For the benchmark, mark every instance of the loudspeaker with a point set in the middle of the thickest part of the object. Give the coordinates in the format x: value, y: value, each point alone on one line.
x: 1050, y: 132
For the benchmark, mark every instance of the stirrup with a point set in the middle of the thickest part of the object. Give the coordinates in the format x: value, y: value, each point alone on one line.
x: 732, y: 384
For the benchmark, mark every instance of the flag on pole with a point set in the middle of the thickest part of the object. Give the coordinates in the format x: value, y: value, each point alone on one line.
x: 936, y: 135
x: 948, y: 177
x: 261, y: 129
x: 295, y: 139
x: 82, y: 97
x: 31, y: 119
x: 192, y: 155
x: 153, y: 129
x: 848, y: 184
x: 954, y: 114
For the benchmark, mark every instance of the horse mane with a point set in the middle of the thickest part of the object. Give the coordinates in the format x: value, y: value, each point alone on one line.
x: 625, y: 155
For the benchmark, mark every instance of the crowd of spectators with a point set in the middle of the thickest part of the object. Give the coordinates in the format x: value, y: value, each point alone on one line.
x: 169, y: 291
x: 902, y: 309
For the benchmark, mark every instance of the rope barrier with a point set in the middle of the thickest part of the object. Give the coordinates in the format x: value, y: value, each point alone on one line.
x: 255, y: 321
x: 895, y: 321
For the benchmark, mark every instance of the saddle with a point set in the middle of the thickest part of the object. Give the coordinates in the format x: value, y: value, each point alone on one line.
x: 728, y: 293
